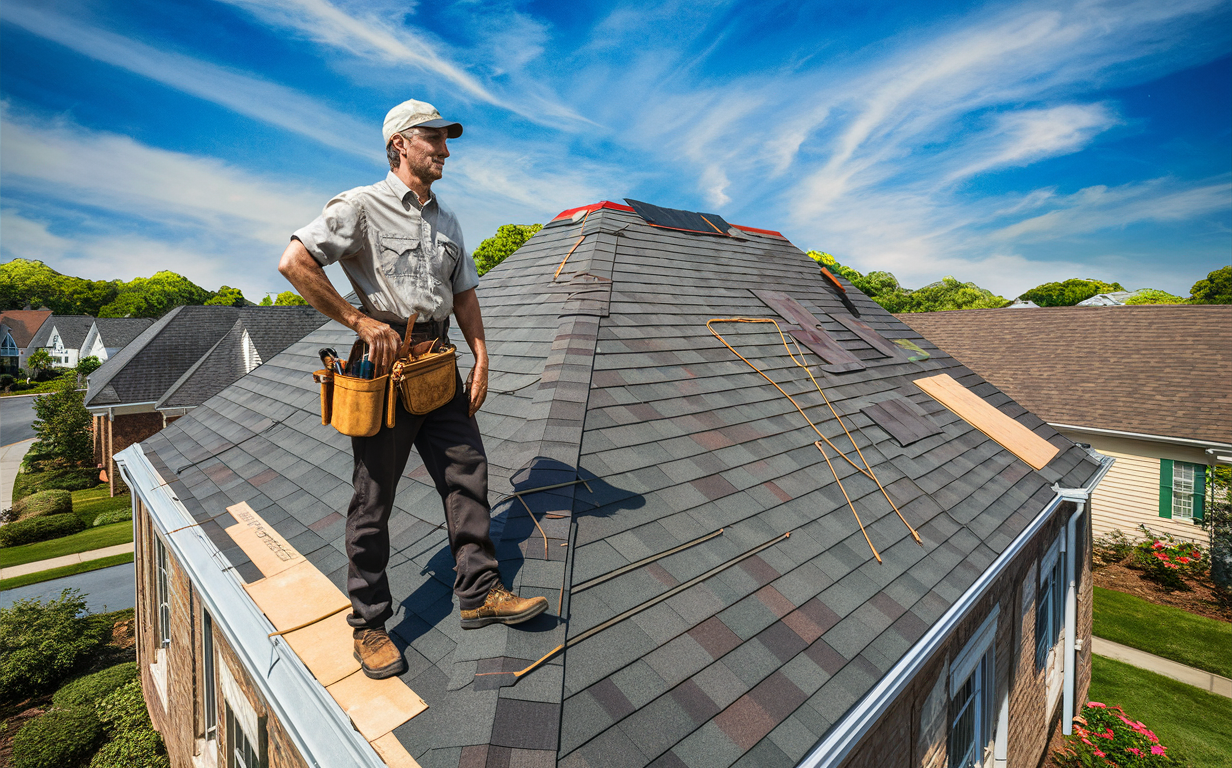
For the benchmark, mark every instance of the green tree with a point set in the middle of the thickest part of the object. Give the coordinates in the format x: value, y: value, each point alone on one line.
x: 23, y: 282
x: 88, y: 365
x: 63, y: 427
x: 154, y: 296
x: 40, y: 644
x: 39, y: 360
x: 266, y: 302
x: 1153, y: 296
x: 1215, y: 288
x: 1069, y: 292
x: 947, y: 294
x: 227, y: 297
x: 289, y: 299
x: 508, y: 239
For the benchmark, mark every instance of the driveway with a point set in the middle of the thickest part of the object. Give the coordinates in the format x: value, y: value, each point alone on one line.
x: 16, y: 418
x: 107, y: 589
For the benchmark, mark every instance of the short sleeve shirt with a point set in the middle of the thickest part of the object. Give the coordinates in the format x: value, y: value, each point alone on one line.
x: 401, y: 257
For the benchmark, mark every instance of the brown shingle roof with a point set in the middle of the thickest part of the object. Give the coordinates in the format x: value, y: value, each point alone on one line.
x: 1158, y: 370
x: 24, y: 323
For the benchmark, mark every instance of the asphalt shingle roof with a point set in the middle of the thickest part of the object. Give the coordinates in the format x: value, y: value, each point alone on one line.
x: 72, y: 329
x: 23, y: 324
x: 1144, y: 369
x: 608, y: 373
x: 119, y: 331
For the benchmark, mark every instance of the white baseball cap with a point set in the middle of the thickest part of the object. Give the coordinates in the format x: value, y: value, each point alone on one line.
x: 412, y: 114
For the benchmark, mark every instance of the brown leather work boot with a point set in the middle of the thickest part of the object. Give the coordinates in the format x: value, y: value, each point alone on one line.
x: 377, y: 654
x: 503, y: 607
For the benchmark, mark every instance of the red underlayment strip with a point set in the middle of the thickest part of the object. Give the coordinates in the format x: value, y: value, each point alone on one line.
x: 629, y: 209
x: 295, y: 594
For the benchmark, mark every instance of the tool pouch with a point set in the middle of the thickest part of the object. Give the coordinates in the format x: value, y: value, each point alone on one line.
x: 352, y: 405
x: 426, y: 379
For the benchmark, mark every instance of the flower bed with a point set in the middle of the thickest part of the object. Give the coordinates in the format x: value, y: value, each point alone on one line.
x: 1169, y: 562
x: 1105, y: 736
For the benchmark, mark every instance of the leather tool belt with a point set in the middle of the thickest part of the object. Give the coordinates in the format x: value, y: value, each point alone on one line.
x: 424, y: 376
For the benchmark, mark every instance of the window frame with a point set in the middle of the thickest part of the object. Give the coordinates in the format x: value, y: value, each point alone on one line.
x: 1050, y: 595
x: 162, y: 592
x: 976, y: 664
x: 241, y: 750
x: 1168, y: 491
x: 209, y: 678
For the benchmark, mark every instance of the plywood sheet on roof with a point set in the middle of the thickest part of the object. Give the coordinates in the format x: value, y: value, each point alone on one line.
x: 298, y: 595
x: 393, y: 753
x: 326, y: 648
x: 973, y: 409
x: 264, y: 546
x: 376, y: 707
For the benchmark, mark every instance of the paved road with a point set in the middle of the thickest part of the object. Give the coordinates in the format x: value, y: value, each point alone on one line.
x: 16, y: 416
x: 107, y: 589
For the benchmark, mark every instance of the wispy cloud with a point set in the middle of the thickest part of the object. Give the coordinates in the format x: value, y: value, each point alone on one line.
x: 240, y: 92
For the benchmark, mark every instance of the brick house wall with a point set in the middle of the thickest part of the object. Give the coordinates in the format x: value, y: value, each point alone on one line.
x: 173, y: 678
x: 115, y: 433
x: 913, y: 731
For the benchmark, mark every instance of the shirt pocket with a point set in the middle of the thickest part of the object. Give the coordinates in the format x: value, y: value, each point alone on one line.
x: 447, y: 252
x: 399, y: 255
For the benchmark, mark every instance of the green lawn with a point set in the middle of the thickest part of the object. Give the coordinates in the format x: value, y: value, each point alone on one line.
x: 91, y: 538
x: 38, y: 388
x: 1164, y: 631
x: 1190, y: 722
x: 67, y: 570
x: 92, y: 502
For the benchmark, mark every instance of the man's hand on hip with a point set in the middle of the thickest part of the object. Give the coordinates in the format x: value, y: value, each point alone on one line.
x: 382, y: 341
x: 477, y: 385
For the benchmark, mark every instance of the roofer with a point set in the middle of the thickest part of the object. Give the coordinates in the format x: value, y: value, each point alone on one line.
x: 403, y: 253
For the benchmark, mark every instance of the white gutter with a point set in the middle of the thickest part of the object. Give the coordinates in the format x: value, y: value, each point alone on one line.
x: 847, y: 733
x: 1079, y: 496
x: 122, y: 409
x: 321, y: 732
x: 1142, y: 436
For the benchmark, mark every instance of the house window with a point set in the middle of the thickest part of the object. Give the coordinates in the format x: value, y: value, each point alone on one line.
x: 972, y: 683
x: 1049, y: 610
x: 164, y: 595
x: 1182, y: 490
x: 241, y: 747
x: 209, y: 676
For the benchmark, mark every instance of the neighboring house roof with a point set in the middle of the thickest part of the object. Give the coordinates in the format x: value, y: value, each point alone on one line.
x: 1153, y: 370
x: 24, y: 323
x: 158, y: 356
x: 265, y: 331
x: 72, y: 329
x: 117, y: 332
x: 609, y: 373
x: 1114, y: 299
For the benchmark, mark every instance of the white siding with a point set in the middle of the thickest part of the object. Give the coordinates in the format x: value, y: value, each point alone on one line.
x: 1129, y: 494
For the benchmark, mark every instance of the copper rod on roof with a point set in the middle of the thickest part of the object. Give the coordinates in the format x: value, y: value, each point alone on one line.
x: 536, y: 522
x: 574, y: 248
x: 848, y: 498
x: 711, y: 223
x: 639, y: 608
x: 644, y: 561
x: 308, y: 623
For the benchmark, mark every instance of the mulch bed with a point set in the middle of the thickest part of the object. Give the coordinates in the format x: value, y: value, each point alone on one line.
x: 1202, y: 599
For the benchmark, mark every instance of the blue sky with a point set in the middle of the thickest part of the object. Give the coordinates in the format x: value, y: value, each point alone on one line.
x: 1004, y: 143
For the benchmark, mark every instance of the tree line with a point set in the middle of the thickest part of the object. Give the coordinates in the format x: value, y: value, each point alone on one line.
x: 25, y: 282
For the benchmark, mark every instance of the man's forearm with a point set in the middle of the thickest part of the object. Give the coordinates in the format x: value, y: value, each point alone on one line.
x: 470, y: 322
x: 309, y: 279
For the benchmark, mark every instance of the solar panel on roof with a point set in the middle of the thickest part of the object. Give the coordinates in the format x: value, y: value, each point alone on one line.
x: 685, y: 221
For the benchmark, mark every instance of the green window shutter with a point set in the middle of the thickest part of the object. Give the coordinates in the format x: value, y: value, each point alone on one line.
x: 1199, y: 497
x: 1165, y: 488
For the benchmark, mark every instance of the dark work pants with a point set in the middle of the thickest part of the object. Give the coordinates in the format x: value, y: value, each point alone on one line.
x: 448, y: 441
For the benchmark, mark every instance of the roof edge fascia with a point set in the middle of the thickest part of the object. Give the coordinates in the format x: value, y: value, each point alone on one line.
x: 1141, y: 436
x: 321, y: 731
x: 121, y: 409
x: 848, y: 732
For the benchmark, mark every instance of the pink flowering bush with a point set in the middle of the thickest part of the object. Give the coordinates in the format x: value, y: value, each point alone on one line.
x: 1106, y: 736
x: 1168, y: 561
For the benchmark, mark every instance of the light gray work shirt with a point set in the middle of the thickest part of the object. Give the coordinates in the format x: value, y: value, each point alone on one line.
x: 401, y: 257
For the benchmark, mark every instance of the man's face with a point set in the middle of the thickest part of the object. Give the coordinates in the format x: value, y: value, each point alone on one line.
x: 424, y: 152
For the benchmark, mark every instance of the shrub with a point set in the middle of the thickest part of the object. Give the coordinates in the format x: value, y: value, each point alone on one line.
x: 50, y: 502
x: 134, y: 741
x: 71, y: 479
x: 40, y: 644
x: 114, y: 516
x: 60, y: 738
x: 35, y: 529
x: 1112, y: 548
x: 1165, y: 560
x: 7, y: 380
x: 88, y: 691
x: 1104, y: 736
